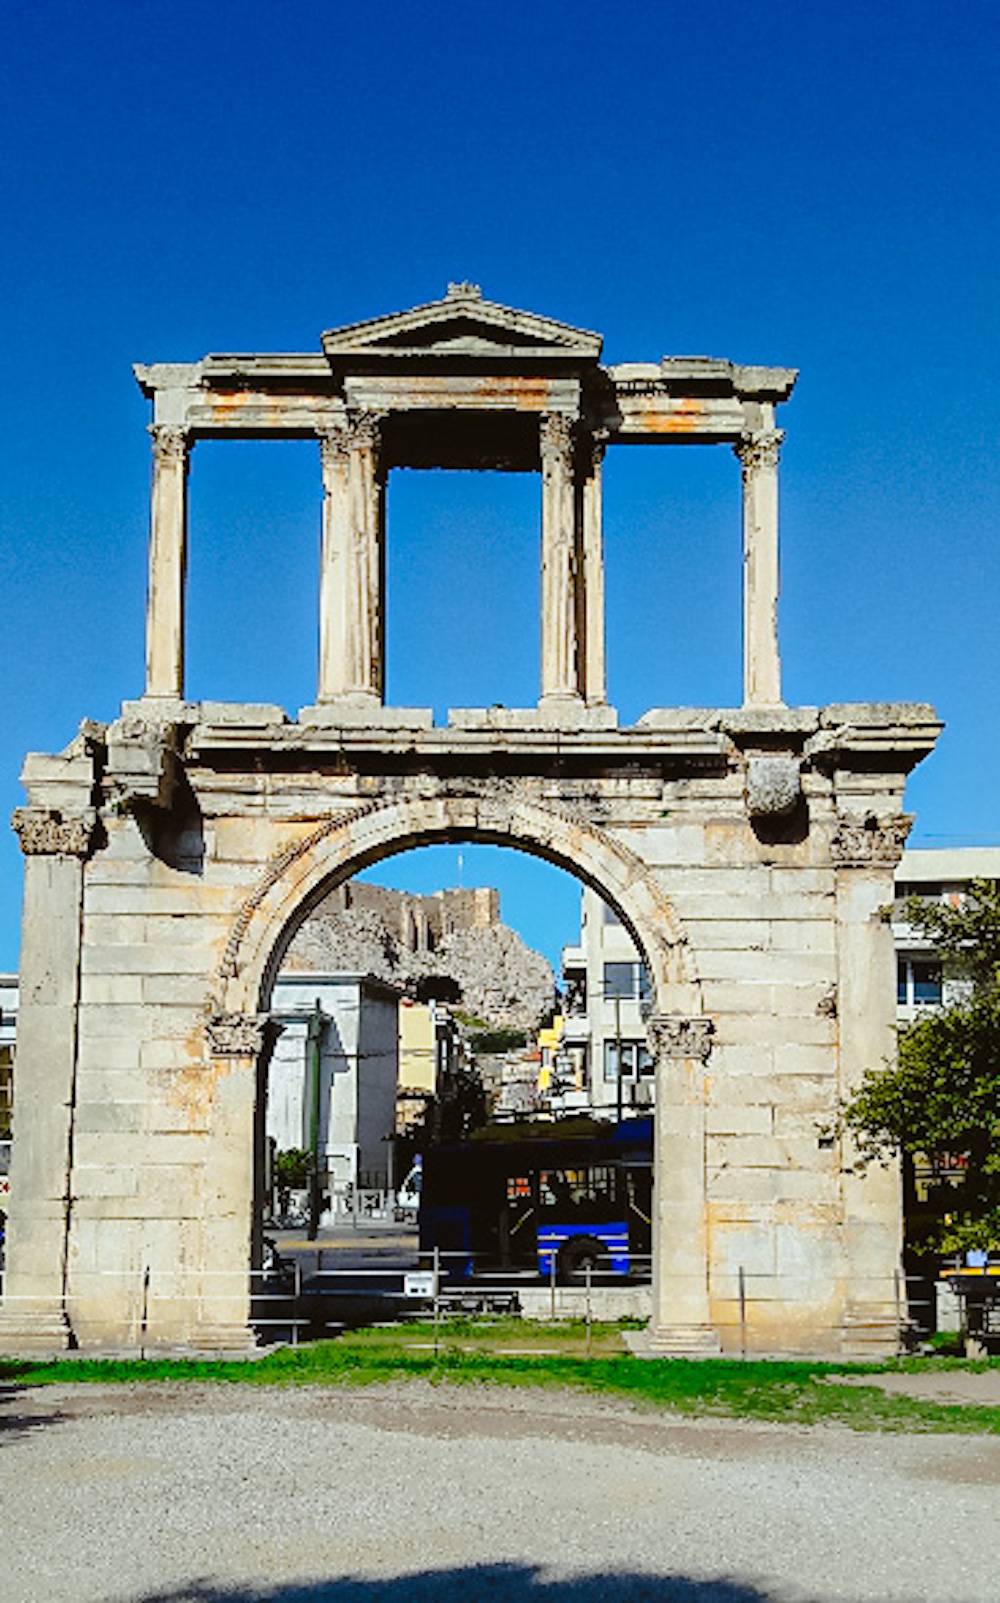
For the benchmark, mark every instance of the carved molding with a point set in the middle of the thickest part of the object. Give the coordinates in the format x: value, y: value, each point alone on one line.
x: 236, y: 1035
x: 512, y: 806
x: 673, y: 1036
x: 278, y: 866
x: 47, y: 832
x: 865, y: 841
x: 759, y: 449
x: 773, y: 786
x: 171, y: 443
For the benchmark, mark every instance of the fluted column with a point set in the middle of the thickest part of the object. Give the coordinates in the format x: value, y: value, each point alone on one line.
x: 865, y: 851
x: 167, y: 563
x: 560, y: 645
x: 55, y: 846
x: 592, y: 610
x: 351, y: 585
x: 681, y: 1320
x: 758, y: 454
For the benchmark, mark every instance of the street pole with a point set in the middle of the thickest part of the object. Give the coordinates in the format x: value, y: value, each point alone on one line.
x: 618, y: 1052
x: 314, y: 1033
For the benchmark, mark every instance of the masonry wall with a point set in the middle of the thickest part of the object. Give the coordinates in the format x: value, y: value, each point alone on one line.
x: 764, y: 934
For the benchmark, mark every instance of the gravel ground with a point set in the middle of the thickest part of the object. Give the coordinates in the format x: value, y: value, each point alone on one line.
x: 404, y: 1494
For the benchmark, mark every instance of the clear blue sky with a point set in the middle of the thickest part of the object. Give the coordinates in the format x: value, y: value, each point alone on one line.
x: 807, y: 184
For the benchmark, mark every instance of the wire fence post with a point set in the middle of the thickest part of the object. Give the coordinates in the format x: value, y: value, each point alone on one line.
x: 297, y: 1282
x: 588, y: 1272
x: 743, y: 1312
x: 437, y: 1308
x: 144, y: 1321
x: 552, y: 1283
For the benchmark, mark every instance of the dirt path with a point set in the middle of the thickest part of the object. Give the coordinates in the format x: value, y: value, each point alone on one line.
x: 393, y: 1493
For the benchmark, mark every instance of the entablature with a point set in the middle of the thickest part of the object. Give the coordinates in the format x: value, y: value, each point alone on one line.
x: 892, y: 737
x: 463, y: 354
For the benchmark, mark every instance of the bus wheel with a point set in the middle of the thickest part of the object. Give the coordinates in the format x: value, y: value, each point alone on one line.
x: 576, y: 1257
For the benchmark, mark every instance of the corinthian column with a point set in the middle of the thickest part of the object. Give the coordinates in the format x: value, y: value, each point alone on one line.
x: 592, y: 610
x: 167, y: 563
x: 758, y: 454
x: 560, y: 647
x: 865, y: 850
x: 55, y: 844
x: 351, y: 601
x: 681, y: 1321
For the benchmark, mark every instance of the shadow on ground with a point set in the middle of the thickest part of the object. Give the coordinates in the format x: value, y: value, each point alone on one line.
x: 15, y: 1422
x: 511, y: 1582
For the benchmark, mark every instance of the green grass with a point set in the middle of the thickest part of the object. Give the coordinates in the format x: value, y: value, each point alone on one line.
x: 519, y: 1353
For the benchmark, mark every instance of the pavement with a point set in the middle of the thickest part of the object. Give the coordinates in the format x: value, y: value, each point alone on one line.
x: 408, y: 1493
x: 980, y: 1388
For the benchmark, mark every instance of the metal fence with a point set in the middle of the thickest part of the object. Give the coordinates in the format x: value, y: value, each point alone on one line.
x: 303, y: 1293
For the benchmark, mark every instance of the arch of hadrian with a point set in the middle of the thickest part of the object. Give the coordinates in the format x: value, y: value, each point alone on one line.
x: 171, y: 854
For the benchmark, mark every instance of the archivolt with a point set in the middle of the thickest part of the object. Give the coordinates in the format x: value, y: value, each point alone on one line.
x: 295, y: 880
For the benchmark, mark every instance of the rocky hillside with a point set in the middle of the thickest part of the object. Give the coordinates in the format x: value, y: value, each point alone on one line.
x: 502, y: 980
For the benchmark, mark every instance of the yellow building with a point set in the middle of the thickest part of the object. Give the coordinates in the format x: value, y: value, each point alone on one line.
x: 418, y: 1046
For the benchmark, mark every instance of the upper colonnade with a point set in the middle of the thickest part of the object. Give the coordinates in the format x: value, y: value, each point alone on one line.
x: 463, y: 383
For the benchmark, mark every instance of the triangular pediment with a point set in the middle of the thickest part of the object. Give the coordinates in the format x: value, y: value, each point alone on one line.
x: 462, y: 324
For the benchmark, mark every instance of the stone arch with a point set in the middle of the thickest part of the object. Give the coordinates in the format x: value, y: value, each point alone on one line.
x: 298, y: 878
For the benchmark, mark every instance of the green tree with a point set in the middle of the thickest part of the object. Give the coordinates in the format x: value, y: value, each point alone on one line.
x: 939, y: 1105
x: 291, y: 1167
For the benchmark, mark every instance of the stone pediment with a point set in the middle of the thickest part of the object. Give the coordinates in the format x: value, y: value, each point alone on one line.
x: 462, y: 323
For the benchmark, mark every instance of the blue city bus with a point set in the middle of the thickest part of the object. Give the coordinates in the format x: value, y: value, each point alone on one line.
x: 573, y: 1198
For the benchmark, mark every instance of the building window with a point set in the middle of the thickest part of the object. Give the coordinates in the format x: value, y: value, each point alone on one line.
x: 6, y: 1090
x: 636, y: 1061
x: 929, y: 890
x: 918, y: 982
x: 626, y: 982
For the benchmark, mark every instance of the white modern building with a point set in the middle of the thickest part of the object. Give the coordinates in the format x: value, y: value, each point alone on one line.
x: 603, y: 1061
x: 8, y: 1041
x: 333, y: 1074
x: 936, y: 874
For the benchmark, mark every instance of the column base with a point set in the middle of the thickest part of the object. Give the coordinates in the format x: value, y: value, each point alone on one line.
x: 552, y: 712
x: 674, y: 1341
x: 365, y: 712
x: 43, y: 1334
x: 869, y: 1332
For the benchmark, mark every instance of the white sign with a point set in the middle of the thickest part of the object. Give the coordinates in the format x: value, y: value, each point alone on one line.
x: 419, y: 1283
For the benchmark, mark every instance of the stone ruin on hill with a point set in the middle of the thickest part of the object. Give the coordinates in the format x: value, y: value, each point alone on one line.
x: 402, y: 938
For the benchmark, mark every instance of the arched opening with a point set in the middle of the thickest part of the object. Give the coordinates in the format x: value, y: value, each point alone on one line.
x: 593, y: 1067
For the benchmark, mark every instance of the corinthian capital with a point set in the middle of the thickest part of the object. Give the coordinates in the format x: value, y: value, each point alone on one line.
x: 334, y: 445
x: 170, y: 443
x: 555, y: 436
x: 47, y: 832
x: 759, y: 449
x: 864, y: 841
x: 673, y: 1036
x: 365, y: 430
x: 236, y: 1035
